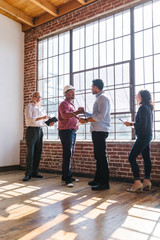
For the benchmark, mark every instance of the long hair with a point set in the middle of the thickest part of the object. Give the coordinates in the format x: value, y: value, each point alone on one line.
x: 146, y: 98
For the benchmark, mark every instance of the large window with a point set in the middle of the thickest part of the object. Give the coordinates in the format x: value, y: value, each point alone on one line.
x: 122, y: 49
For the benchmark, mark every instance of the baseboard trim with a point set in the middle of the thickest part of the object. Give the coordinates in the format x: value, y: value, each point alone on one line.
x: 10, y: 168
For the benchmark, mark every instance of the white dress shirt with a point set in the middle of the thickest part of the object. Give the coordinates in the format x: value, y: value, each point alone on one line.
x: 33, y: 111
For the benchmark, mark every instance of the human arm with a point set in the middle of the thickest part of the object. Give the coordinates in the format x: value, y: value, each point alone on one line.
x: 129, y: 124
x: 67, y: 111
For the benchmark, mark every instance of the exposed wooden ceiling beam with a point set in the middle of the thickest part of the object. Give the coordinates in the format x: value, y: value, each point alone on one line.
x: 82, y: 1
x: 16, y: 13
x: 68, y: 7
x: 48, y: 7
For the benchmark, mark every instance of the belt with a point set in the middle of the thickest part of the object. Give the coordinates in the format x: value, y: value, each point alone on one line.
x: 35, y: 127
x: 70, y: 129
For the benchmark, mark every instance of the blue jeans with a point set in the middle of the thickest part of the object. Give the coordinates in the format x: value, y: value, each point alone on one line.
x: 68, y: 139
x: 102, y: 169
x: 141, y: 146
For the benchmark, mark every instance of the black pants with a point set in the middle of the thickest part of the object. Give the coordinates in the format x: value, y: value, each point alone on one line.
x: 68, y: 139
x: 34, y: 141
x: 141, y: 146
x: 102, y: 169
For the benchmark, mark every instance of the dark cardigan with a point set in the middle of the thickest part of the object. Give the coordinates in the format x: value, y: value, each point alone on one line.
x: 144, y: 120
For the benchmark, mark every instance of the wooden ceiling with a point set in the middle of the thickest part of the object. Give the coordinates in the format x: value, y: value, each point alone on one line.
x: 32, y: 13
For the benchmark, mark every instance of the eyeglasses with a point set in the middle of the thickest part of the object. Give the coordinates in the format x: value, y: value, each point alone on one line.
x: 37, y: 96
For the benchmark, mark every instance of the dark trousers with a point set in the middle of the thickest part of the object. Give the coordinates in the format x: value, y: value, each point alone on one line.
x: 102, y: 169
x: 141, y: 146
x: 68, y: 139
x: 34, y: 141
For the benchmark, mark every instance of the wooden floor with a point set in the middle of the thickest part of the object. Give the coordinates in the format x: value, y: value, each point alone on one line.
x: 42, y: 209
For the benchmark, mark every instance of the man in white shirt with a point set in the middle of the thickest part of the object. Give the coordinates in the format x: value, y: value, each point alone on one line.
x: 35, y: 118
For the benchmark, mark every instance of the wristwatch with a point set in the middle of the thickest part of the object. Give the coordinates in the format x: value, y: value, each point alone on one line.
x: 131, y: 124
x: 86, y: 120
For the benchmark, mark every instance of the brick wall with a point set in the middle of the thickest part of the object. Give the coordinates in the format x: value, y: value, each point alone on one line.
x: 83, y: 161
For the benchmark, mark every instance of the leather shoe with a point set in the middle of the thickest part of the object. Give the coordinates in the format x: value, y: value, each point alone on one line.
x: 92, y: 183
x: 26, y: 178
x: 101, y: 187
x: 37, y: 176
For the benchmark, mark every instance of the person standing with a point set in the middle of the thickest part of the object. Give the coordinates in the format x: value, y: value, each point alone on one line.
x: 67, y: 127
x: 35, y: 117
x: 143, y: 130
x: 100, y: 124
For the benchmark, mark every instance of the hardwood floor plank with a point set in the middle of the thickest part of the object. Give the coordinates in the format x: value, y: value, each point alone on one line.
x: 44, y: 209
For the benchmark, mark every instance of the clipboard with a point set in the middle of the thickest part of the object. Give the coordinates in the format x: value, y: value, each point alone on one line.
x: 121, y: 120
x: 50, y: 120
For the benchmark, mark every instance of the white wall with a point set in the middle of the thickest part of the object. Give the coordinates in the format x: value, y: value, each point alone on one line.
x: 11, y: 90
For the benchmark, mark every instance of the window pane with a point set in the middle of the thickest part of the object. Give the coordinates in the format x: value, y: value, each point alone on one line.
x: 89, y: 57
x: 156, y: 32
x: 147, y: 15
x: 110, y: 28
x: 79, y: 81
x: 118, y: 25
x: 89, y: 78
x: 118, y: 50
x: 64, y: 42
x: 53, y: 87
x: 42, y: 69
x: 156, y: 68
x: 53, y: 67
x: 122, y: 100
x: 63, y: 81
x: 78, y: 38
x: 110, y: 52
x: 52, y: 107
x: 103, y: 54
x: 53, y: 46
x: 42, y: 88
x: 118, y: 75
x: 42, y: 49
x: 139, y: 72
x: 138, y: 18
x: 147, y: 42
x: 102, y: 30
x: 79, y: 100
x: 138, y: 45
x: 148, y: 69
x: 90, y: 99
x: 110, y: 95
x: 89, y: 34
x: 126, y: 48
x: 156, y: 11
x: 64, y: 63
x: 126, y: 22
x: 110, y: 76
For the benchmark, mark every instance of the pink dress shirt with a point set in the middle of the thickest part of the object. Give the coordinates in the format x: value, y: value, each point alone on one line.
x: 65, y: 123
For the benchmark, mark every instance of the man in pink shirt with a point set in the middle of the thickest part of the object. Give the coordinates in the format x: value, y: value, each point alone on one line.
x: 67, y: 126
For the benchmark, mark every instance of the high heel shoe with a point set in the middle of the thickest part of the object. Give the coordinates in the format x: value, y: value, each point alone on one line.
x: 147, y: 186
x: 138, y: 188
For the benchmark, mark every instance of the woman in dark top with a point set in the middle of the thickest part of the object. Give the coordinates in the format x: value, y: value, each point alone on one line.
x: 143, y: 130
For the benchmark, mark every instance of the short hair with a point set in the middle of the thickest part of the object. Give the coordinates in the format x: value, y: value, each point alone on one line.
x: 98, y: 83
x: 35, y: 93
